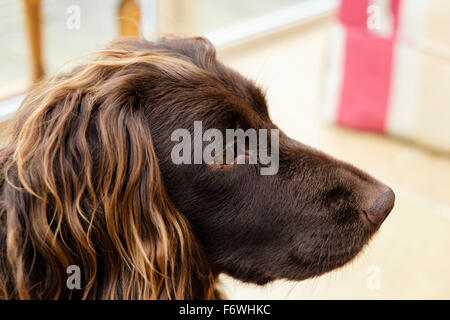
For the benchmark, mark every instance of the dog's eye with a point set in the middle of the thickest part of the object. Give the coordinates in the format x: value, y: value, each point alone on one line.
x: 240, y: 157
x: 223, y: 164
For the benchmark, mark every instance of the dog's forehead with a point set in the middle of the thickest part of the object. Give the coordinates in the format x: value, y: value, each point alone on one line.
x: 249, y: 102
x: 201, y: 52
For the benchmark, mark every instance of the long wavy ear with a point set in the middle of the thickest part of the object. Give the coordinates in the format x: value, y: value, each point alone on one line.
x: 83, y: 187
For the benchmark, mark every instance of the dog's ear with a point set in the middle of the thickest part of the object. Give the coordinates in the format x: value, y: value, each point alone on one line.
x: 152, y: 238
x: 84, y: 188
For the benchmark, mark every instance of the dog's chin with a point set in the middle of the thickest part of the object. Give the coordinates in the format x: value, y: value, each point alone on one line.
x: 305, y: 266
x: 305, y: 263
x: 253, y: 275
x: 296, y: 270
x: 325, y: 259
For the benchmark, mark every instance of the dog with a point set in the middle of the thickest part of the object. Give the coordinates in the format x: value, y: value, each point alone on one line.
x: 87, y: 180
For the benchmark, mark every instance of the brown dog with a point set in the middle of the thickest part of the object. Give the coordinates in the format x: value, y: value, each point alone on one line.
x: 87, y: 180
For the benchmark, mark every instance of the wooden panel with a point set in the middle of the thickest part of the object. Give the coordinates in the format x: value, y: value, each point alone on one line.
x: 33, y: 22
x: 129, y: 18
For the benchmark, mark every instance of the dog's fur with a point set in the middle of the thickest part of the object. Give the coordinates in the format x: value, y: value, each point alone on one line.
x: 87, y: 180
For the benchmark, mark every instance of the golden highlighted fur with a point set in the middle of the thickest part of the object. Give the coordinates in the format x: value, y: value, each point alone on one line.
x: 81, y: 186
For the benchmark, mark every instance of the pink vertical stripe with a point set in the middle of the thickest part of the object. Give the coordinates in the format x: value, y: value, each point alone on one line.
x: 367, y: 71
x: 352, y: 13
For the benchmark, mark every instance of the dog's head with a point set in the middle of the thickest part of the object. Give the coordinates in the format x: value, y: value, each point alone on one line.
x: 94, y: 150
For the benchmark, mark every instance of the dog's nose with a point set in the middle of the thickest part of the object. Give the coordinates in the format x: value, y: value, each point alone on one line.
x: 381, y: 207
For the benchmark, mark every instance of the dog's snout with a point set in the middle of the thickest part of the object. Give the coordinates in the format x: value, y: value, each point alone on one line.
x: 381, y: 206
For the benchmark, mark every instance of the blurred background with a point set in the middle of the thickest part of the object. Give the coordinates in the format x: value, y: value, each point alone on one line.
x: 367, y: 81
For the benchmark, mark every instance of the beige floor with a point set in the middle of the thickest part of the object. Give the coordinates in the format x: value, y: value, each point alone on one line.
x: 409, y: 258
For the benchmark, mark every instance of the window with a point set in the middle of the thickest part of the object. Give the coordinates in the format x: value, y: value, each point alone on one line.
x: 216, y: 14
x: 38, y: 36
x: 14, y: 61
